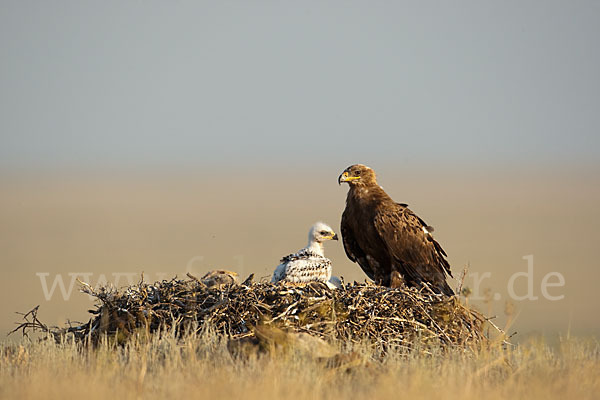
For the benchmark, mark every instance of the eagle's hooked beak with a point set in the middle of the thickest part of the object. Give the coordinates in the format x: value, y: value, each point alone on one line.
x: 332, y: 236
x: 344, y: 177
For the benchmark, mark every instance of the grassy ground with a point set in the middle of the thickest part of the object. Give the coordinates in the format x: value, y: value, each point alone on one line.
x: 202, y: 367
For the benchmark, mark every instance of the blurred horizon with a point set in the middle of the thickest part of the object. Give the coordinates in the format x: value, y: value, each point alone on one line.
x: 113, y: 227
x: 137, y: 136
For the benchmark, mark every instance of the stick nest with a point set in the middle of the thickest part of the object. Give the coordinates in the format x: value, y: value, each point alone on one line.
x: 355, y: 312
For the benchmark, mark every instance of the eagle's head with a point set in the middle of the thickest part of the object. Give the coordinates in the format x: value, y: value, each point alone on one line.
x: 358, y: 175
x: 321, y: 232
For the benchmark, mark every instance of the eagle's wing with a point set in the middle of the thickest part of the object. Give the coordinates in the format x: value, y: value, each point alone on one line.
x: 412, y: 248
x: 352, y: 249
x: 423, y: 223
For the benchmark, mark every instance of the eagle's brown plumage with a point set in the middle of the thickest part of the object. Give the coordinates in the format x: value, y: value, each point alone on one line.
x: 383, y: 236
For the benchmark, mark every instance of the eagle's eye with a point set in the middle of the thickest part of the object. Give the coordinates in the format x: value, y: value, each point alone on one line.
x: 357, y: 173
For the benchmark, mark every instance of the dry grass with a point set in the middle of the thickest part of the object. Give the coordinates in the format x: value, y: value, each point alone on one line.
x: 200, y: 352
x: 201, y: 366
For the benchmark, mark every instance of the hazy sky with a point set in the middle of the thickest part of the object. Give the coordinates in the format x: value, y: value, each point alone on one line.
x: 186, y: 82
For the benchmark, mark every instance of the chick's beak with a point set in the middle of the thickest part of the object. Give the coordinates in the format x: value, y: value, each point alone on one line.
x: 335, y: 237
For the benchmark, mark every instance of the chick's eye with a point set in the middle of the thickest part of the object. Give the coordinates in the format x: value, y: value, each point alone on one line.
x: 323, y: 232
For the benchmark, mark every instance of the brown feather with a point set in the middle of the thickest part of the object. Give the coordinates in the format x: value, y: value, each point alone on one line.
x: 383, y: 236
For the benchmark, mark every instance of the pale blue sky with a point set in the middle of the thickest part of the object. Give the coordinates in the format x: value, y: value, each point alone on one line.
x: 138, y: 83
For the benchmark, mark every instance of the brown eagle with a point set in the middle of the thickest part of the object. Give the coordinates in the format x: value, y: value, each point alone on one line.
x: 386, y: 238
